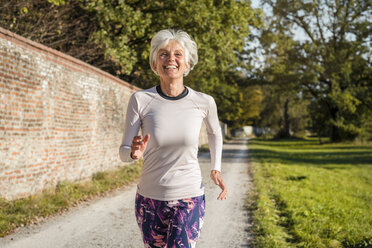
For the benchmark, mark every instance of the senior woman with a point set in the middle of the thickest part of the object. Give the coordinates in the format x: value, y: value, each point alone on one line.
x: 170, y: 199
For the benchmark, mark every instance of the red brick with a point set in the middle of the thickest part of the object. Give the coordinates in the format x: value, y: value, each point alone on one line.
x: 50, y: 123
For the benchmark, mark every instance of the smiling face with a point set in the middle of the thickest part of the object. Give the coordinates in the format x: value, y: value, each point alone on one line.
x: 171, y: 61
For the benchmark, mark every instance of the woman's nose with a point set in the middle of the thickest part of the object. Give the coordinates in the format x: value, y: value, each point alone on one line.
x: 171, y: 57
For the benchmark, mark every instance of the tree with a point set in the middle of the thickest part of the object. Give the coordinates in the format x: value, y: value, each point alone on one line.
x: 218, y: 27
x: 115, y: 36
x: 60, y: 24
x: 334, y: 59
x: 284, y: 113
x: 284, y: 105
x: 240, y: 102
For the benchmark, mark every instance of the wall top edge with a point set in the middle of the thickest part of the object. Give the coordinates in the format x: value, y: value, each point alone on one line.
x: 8, y: 35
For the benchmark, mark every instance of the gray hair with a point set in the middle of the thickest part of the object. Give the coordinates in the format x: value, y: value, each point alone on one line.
x: 162, y: 38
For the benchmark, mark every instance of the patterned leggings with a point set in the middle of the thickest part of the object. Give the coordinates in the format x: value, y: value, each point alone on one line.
x: 170, y: 224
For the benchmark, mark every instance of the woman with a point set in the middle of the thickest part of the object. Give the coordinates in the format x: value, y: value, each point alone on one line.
x: 170, y: 198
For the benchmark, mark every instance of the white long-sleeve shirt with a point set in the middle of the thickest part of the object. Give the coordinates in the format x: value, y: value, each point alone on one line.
x: 170, y: 167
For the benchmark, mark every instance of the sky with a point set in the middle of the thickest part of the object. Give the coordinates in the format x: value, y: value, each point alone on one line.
x: 259, y: 61
x: 255, y: 3
x: 299, y: 34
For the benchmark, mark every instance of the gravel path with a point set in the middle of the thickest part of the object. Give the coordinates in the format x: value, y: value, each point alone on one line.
x: 110, y: 221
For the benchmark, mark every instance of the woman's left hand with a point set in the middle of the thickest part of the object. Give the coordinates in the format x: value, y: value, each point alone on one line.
x: 216, y: 177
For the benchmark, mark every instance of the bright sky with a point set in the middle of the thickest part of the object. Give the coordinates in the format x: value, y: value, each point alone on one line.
x: 299, y: 34
x: 258, y: 60
x: 255, y: 3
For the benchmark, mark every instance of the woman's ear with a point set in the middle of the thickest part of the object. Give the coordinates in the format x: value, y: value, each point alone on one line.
x: 187, y: 67
x: 154, y: 66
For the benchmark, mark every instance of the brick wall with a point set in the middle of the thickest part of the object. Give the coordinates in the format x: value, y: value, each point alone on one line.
x: 60, y: 118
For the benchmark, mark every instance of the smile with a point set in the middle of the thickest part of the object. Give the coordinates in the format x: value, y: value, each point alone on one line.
x: 171, y: 67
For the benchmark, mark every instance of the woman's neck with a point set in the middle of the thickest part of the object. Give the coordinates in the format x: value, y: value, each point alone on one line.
x: 172, y: 88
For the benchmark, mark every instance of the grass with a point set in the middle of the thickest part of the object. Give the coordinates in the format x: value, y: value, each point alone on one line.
x: 25, y: 211
x: 311, y: 195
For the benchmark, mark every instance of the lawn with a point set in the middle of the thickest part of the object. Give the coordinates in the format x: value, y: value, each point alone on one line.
x: 309, y: 194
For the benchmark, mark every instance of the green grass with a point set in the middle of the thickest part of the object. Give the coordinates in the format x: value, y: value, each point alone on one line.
x: 25, y: 211
x: 311, y: 195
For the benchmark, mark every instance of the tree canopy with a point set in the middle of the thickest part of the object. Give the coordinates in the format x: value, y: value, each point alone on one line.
x: 115, y: 36
x: 332, y: 65
x: 322, y: 82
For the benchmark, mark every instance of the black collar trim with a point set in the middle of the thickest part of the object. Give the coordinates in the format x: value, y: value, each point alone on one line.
x: 180, y: 96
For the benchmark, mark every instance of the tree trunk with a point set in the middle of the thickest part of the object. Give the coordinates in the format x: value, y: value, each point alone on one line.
x: 335, y: 135
x: 335, y: 130
x: 286, y: 120
x: 284, y: 127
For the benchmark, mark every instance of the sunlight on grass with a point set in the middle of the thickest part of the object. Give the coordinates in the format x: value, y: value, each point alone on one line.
x: 312, y: 195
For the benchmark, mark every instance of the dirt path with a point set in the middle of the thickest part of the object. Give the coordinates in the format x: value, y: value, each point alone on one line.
x: 110, y: 221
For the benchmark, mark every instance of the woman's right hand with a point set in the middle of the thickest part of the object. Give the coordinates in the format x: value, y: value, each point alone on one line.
x: 139, y: 146
x: 217, y: 179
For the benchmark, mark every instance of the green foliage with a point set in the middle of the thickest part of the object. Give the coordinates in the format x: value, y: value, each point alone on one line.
x: 60, y: 24
x: 120, y: 28
x: 366, y: 132
x: 312, y: 195
x: 284, y: 102
x: 57, y: 2
x: 237, y: 105
x: 115, y: 36
x: 66, y: 194
x: 332, y: 63
x: 219, y: 29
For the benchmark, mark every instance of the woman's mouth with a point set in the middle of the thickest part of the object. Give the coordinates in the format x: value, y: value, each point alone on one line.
x: 170, y: 67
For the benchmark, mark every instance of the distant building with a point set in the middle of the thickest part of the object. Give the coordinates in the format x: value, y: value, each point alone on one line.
x: 258, y: 131
x: 250, y: 130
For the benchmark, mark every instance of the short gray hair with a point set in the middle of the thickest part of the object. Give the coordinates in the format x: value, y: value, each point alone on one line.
x: 162, y: 38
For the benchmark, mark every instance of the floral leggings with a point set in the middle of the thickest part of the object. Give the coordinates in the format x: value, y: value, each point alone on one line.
x: 170, y: 224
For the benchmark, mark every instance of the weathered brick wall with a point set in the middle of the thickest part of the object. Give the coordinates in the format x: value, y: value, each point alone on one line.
x: 60, y: 118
